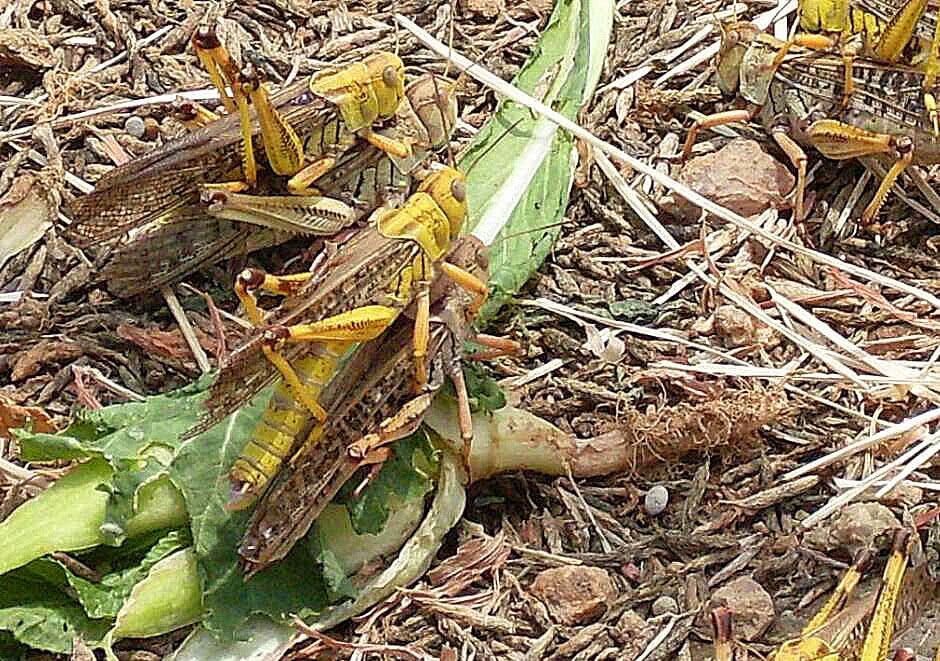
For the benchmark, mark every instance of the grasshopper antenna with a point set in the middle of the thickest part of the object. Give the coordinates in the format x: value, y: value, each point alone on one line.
x: 531, y: 230
x: 450, y: 35
x: 451, y: 160
x: 397, y: 40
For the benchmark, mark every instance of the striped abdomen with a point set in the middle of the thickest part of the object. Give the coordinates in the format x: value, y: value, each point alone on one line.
x: 284, y: 420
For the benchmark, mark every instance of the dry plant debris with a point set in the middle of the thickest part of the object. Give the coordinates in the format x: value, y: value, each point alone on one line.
x: 860, y: 358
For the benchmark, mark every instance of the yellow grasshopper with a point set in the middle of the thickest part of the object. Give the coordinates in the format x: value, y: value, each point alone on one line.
x: 370, y: 403
x: 351, y: 298
x: 224, y: 224
x: 886, y: 31
x: 799, y: 101
x: 844, y: 628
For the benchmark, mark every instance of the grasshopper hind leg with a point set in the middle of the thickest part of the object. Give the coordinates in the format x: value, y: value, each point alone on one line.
x: 798, y: 158
x: 881, y: 630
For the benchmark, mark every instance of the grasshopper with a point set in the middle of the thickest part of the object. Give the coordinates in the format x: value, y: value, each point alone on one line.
x: 302, y: 131
x: 371, y: 404
x: 798, y: 102
x: 225, y: 224
x: 846, y: 628
x: 353, y: 297
x: 885, y: 31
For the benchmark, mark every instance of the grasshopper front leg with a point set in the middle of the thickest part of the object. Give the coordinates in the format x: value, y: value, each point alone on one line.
x: 711, y: 121
x: 217, y: 62
x: 477, y: 288
x: 798, y: 158
x: 931, y: 72
x: 282, y: 146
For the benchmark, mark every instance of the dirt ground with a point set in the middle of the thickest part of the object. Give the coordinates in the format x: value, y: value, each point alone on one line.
x: 67, y: 342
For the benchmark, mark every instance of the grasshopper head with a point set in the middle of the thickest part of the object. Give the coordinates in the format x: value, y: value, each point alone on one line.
x: 735, y: 38
x: 434, y: 100
x: 448, y: 187
x: 387, y: 74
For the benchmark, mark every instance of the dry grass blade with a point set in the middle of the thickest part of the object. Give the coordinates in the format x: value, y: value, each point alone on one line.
x: 500, y: 86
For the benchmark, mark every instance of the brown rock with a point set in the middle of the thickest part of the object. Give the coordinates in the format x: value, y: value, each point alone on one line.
x: 734, y: 326
x: 750, y: 606
x: 575, y: 595
x: 858, y: 526
x: 483, y: 8
x: 740, y: 176
x: 633, y: 633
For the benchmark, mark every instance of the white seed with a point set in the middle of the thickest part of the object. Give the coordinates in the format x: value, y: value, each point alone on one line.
x: 135, y: 126
x: 656, y: 500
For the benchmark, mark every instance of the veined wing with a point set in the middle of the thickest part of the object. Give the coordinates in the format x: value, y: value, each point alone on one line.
x: 359, y: 274
x: 156, y: 185
x: 168, y: 252
x: 892, y: 93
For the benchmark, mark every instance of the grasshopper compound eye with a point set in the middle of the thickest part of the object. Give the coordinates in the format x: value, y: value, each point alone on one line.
x: 390, y: 76
x: 459, y: 190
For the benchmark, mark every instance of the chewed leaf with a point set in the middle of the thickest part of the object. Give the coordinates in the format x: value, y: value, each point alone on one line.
x: 520, y: 166
x: 105, y: 598
x: 405, y: 476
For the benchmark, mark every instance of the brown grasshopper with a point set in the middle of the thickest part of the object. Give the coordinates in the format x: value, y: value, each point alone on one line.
x: 302, y: 131
x: 886, y: 31
x: 353, y: 297
x: 224, y: 224
x: 370, y: 403
x: 800, y: 101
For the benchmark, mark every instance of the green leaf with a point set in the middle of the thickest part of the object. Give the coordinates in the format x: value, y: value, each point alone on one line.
x: 122, y: 432
x: 522, y: 166
x: 485, y: 393
x: 407, y: 475
x: 65, y: 517
x: 200, y: 470
x: 106, y: 597
x: 166, y: 599
x: 38, y: 603
x: 42, y: 617
x: 338, y: 586
x: 123, y: 489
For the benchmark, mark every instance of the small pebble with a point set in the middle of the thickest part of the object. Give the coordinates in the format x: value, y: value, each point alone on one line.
x: 664, y: 604
x: 135, y: 126
x: 656, y: 500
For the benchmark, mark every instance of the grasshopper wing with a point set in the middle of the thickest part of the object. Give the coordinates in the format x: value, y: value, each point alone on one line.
x: 354, y: 277
x: 155, y: 186
x: 170, y: 251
